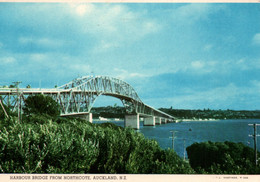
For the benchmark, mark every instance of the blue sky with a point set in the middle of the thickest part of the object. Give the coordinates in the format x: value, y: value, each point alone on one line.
x: 188, y: 56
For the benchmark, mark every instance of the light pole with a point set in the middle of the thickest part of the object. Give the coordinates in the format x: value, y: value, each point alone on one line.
x: 173, y: 137
x: 255, y: 140
x: 184, y: 148
x: 18, y: 101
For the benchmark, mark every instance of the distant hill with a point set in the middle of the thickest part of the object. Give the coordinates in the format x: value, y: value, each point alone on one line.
x: 119, y: 112
x: 214, y: 114
x: 108, y: 112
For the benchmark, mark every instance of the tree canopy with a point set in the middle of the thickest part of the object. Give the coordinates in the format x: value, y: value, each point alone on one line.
x: 74, y: 146
x: 222, y: 158
x: 40, y: 105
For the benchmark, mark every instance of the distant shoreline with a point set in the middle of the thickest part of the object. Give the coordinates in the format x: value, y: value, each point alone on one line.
x: 185, y: 120
x: 177, y: 120
x: 210, y: 119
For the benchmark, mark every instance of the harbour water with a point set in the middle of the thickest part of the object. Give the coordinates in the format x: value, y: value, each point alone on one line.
x: 189, y: 132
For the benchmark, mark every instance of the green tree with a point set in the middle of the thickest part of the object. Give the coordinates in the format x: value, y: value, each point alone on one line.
x: 222, y: 158
x: 75, y: 146
x: 41, y: 105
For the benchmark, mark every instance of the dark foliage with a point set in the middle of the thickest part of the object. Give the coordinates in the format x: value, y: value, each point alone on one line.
x: 108, y: 112
x: 74, y: 146
x: 222, y: 158
x: 41, y: 105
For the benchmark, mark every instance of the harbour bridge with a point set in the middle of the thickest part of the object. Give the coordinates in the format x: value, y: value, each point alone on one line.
x: 77, y: 97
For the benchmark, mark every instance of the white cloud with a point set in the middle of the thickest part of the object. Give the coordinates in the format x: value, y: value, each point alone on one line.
x: 216, y: 98
x: 202, y: 67
x: 25, y: 40
x: 256, y: 39
x: 103, y: 46
x: 64, y: 64
x: 125, y: 75
x: 220, y: 66
x: 256, y: 85
x: 44, y: 42
x: 245, y: 64
x: 197, y: 64
x: 208, y: 47
x: 38, y: 57
x: 83, y: 9
x: 242, y: 64
x: 7, y: 60
x: 191, y: 13
x: 113, y: 24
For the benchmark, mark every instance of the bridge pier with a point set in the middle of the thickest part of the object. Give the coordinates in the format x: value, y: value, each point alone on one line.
x: 158, y: 121
x: 149, y: 121
x: 170, y: 120
x: 164, y: 121
x: 87, y: 117
x: 132, y: 121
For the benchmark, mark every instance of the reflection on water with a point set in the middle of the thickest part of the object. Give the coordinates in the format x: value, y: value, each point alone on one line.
x: 187, y: 133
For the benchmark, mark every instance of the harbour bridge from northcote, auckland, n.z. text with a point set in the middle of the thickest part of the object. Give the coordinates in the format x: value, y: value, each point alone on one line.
x: 77, y: 97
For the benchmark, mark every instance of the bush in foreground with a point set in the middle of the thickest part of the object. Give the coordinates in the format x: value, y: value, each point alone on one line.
x: 222, y: 158
x: 75, y: 146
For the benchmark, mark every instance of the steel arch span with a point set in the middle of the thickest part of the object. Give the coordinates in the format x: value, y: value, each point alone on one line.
x: 84, y: 91
x: 78, y: 96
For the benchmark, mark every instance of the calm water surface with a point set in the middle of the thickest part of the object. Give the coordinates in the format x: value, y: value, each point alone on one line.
x: 187, y: 133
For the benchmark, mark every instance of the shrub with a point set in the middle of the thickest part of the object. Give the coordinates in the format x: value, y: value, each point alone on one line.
x: 75, y: 146
x: 45, y: 148
x: 222, y: 158
x: 40, y: 104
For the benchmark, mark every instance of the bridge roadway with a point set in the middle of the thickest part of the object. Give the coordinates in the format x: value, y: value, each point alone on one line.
x: 77, y: 97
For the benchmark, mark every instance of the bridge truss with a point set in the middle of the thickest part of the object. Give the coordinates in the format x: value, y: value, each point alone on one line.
x: 78, y: 96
